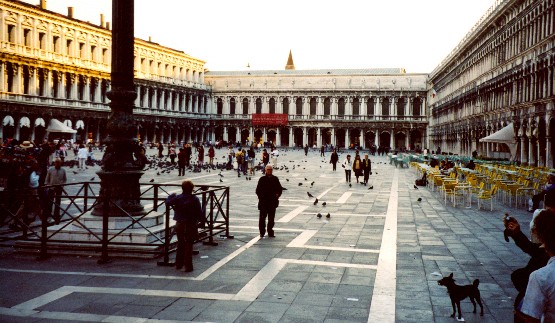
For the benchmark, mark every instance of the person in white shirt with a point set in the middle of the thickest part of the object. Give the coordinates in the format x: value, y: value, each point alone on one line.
x: 275, y: 155
x: 348, y: 165
x: 82, y: 155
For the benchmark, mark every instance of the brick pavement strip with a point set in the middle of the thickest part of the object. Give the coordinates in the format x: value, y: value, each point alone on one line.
x: 315, y: 270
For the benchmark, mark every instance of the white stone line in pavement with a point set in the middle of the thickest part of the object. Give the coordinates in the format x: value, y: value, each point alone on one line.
x: 44, y: 299
x: 330, y: 264
x: 344, y: 197
x: 349, y: 214
x: 301, y: 240
x: 202, y: 276
x: 226, y: 259
x: 291, y: 215
x: 275, y: 229
x: 258, y: 283
x: 382, y: 308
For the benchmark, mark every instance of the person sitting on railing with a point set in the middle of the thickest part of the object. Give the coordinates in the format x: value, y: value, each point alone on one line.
x: 537, y: 198
x: 187, y: 213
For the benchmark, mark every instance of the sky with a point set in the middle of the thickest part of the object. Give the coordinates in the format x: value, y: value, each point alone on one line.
x: 326, y: 34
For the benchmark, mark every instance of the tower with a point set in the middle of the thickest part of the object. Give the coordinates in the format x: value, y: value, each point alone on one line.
x: 290, y: 65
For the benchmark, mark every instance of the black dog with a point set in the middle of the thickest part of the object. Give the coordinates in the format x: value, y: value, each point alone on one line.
x: 458, y: 293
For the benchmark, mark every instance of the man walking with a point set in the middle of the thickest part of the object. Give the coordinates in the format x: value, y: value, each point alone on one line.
x: 348, y: 166
x: 367, y: 168
x: 268, y: 191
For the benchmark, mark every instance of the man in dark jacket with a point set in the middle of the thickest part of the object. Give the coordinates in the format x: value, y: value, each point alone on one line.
x: 367, y: 168
x: 268, y: 191
x: 187, y: 213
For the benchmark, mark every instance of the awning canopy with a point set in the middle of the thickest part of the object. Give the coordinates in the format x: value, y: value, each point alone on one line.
x: 57, y: 126
x: 505, y: 135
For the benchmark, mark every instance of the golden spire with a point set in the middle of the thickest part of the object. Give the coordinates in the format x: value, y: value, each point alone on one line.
x: 290, y: 65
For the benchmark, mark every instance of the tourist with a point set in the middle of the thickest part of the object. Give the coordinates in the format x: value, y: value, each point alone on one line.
x: 82, y: 155
x: 56, y: 176
x: 334, y: 159
x: 537, y: 198
x: 268, y: 191
x: 181, y: 158
x: 348, y: 166
x: 357, y: 166
x: 367, y: 168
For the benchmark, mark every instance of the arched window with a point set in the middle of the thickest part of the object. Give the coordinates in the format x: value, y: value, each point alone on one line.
x: 356, y: 107
x: 341, y: 107
x: 299, y: 106
x: 219, y: 106
x: 416, y: 103
x: 245, y: 106
x: 258, y: 105
x: 272, y: 105
x: 385, y: 107
x: 370, y: 107
x: 327, y: 107
x: 401, y: 108
x: 312, y: 106
x: 285, y: 105
x: 232, y: 106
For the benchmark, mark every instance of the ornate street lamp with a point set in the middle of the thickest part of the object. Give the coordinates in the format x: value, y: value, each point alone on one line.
x: 121, y: 163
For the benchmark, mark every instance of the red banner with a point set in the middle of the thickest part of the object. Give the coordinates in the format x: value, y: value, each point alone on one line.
x: 267, y: 119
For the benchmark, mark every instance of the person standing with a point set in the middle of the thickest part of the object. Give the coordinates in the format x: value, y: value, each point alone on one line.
x: 322, y: 151
x: 538, y: 304
x: 239, y: 158
x: 252, y: 158
x: 348, y: 165
x: 187, y: 213
x: 160, y: 150
x: 334, y: 159
x: 200, y: 157
x: 181, y: 157
x: 357, y: 166
x: 56, y: 176
x: 30, y: 205
x: 82, y: 155
x: 172, y: 154
x: 306, y: 150
x: 265, y: 159
x: 275, y: 155
x: 268, y: 191
x: 188, y: 154
x: 367, y: 168
x: 211, y: 154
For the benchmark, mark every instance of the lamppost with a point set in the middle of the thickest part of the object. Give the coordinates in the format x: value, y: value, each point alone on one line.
x: 121, y: 163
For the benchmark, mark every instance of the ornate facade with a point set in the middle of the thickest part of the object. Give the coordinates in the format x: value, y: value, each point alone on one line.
x: 502, y: 73
x: 384, y: 107
x: 55, y: 67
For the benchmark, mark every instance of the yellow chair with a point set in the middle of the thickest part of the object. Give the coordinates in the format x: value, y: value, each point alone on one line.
x: 487, y: 195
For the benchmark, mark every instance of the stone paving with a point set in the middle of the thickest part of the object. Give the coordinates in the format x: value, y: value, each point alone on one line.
x: 377, y: 258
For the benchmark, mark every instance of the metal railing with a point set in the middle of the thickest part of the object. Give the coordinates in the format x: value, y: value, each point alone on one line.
x: 75, y: 202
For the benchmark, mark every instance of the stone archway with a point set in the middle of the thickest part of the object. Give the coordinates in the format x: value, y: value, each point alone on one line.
x: 298, y: 137
x: 312, y: 137
x: 385, y: 139
x: 415, y: 139
x: 245, y: 136
x: 340, y: 138
x: 400, y: 141
x: 354, y: 137
x: 271, y: 135
x: 258, y: 136
x: 369, y: 138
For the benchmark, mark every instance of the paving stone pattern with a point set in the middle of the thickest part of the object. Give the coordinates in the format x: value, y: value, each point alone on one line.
x: 314, y: 270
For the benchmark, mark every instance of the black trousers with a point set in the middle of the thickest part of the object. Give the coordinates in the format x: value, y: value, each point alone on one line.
x: 334, y: 166
x: 271, y: 215
x: 366, y: 176
x: 184, y: 252
x: 536, y: 199
x: 348, y: 176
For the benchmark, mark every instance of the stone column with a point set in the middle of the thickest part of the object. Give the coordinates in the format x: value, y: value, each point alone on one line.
x: 33, y: 80
x: 319, y: 137
x: 408, y: 113
x: 531, y: 157
x: 392, y: 138
x: 363, y: 108
x: 251, y: 135
x: 333, y: 141
x: 2, y: 76
x: 548, y: 157
x: 305, y: 136
x: 362, y: 139
x: 264, y: 135
x: 377, y: 138
x: 138, y: 98
x: 98, y: 90
x: 87, y: 89
x: 291, y: 141
x: 347, y: 141
x: 73, y: 92
x: 320, y: 107
x: 16, y: 70
x: 226, y: 137
x: 278, y: 137
x: 349, y: 107
x: 377, y: 108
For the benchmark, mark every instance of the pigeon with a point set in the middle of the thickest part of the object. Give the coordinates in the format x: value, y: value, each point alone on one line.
x: 158, y: 173
x: 300, y: 184
x: 371, y: 187
x: 350, y: 185
x: 324, y: 204
x: 309, y: 195
x: 305, y: 179
x: 74, y: 172
x: 419, y: 199
x: 283, y: 188
x: 311, y: 183
x: 151, y: 181
x: 328, y: 215
x: 319, y: 215
x: 316, y: 202
x: 246, y: 178
x: 92, y: 179
x: 415, y: 187
x: 287, y: 179
x: 221, y: 180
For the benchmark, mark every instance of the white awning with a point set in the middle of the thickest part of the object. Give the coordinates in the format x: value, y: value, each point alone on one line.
x: 79, y: 124
x: 8, y: 121
x: 506, y: 136
x: 57, y: 126
x: 68, y: 123
x: 24, y: 122
x: 39, y: 122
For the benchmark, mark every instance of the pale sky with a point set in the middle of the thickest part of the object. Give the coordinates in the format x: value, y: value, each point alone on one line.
x: 325, y: 34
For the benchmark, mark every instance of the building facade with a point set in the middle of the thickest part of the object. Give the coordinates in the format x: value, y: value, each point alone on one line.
x: 501, y: 74
x: 53, y: 66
